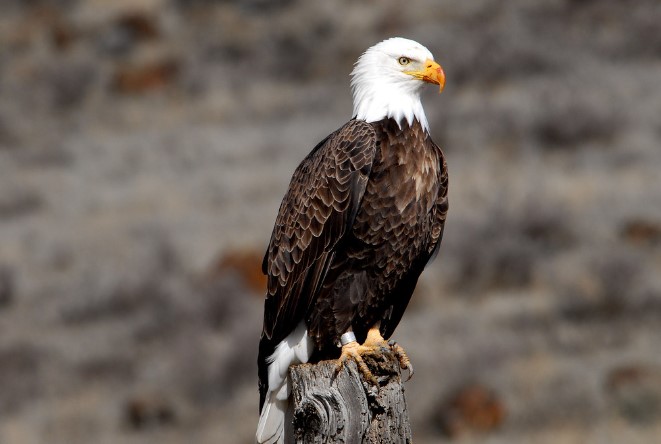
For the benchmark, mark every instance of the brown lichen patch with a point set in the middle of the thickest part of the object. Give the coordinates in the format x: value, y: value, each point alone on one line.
x: 245, y: 263
x: 146, y: 77
x: 641, y: 232
x: 471, y: 408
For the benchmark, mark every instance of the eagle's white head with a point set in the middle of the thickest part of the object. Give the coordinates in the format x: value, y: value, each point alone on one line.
x: 387, y: 79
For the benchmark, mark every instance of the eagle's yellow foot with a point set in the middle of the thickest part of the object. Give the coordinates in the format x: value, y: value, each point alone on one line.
x: 374, y: 340
x: 353, y: 350
x: 374, y: 344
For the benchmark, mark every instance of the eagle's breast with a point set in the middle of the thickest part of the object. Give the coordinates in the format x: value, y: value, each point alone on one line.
x: 395, y: 218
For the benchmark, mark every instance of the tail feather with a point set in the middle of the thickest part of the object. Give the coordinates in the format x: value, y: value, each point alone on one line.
x: 271, y: 426
x: 296, y: 348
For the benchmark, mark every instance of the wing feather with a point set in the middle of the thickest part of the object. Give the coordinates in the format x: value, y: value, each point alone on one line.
x: 317, y: 211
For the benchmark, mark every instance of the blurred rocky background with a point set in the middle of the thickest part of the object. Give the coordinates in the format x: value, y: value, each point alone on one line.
x: 144, y: 149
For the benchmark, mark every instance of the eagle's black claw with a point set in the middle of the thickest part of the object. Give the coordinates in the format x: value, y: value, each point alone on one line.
x: 410, y: 370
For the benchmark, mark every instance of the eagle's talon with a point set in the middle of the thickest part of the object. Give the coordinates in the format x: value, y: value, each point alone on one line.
x: 404, y: 361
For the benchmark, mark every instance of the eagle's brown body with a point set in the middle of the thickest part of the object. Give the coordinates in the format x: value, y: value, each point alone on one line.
x: 363, y: 215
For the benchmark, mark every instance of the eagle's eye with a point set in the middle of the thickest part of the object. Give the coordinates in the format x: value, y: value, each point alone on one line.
x: 404, y: 61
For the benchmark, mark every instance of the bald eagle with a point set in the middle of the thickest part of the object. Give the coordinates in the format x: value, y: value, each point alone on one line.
x: 363, y: 215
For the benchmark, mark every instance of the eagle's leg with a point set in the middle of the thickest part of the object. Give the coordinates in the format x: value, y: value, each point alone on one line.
x: 353, y: 350
x: 374, y: 339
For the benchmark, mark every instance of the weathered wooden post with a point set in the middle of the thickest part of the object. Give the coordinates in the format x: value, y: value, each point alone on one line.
x: 345, y: 408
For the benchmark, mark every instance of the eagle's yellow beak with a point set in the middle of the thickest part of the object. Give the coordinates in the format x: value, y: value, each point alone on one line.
x: 432, y: 73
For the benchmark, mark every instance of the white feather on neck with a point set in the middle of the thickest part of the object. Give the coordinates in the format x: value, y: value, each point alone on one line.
x: 379, y: 92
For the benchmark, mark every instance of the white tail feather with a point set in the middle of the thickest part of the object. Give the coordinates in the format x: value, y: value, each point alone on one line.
x: 296, y: 348
x: 271, y: 426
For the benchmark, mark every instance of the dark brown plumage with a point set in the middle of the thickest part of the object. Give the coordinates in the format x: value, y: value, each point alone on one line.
x: 363, y: 215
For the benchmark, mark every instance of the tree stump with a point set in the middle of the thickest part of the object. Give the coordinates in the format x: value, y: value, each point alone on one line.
x: 346, y: 408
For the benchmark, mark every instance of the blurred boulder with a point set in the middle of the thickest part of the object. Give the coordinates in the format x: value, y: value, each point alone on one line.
x: 19, y: 202
x: 472, y: 408
x: 247, y: 264
x: 147, y: 284
x: 118, y: 300
x: 145, y: 77
x: 63, y: 35
x: 140, y: 25
x: 107, y: 368
x: 505, y: 248
x: 635, y: 392
x: 68, y: 82
x: 21, y: 367
x: 148, y: 411
x: 127, y: 31
x: 641, y: 232
x: 574, y: 118
x: 608, y: 289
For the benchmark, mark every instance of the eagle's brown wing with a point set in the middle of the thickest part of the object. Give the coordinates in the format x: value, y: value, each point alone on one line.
x: 318, y: 209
